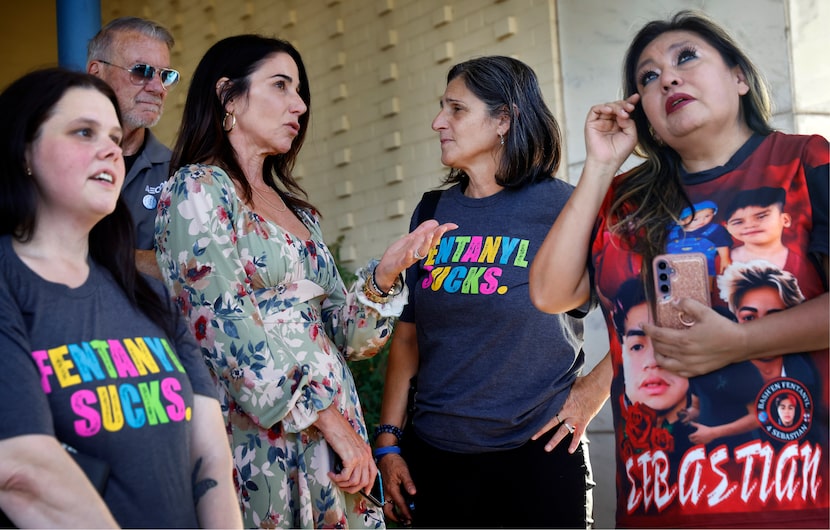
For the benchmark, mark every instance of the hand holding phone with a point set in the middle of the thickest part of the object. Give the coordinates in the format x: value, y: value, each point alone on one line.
x: 679, y: 276
x: 375, y: 496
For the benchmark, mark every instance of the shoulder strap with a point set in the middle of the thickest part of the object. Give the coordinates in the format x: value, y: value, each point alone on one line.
x: 426, y: 210
x: 429, y: 201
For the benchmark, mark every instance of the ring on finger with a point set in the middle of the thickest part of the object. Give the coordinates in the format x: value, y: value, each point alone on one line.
x: 569, y: 427
x: 558, y: 419
x: 417, y: 255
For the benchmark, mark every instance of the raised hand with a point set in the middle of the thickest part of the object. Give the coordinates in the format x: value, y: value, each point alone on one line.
x: 610, y: 133
x: 409, y: 249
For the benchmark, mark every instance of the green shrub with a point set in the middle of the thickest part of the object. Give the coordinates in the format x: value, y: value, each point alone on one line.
x: 369, y: 375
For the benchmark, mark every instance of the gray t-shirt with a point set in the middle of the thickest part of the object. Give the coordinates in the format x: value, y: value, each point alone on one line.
x: 88, y: 367
x: 493, y: 368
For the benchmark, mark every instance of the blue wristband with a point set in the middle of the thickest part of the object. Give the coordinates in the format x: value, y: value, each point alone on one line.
x: 380, y: 452
x: 391, y: 429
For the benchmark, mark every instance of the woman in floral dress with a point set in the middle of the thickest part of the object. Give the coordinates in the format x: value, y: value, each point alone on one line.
x: 242, y: 251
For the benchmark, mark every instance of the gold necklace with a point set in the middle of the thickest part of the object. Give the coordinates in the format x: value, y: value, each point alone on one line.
x: 269, y: 203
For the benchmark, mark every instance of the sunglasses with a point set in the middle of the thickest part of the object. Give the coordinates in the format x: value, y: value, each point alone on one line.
x: 141, y: 74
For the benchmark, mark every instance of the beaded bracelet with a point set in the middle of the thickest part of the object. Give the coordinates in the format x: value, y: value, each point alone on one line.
x: 380, y: 452
x: 391, y: 429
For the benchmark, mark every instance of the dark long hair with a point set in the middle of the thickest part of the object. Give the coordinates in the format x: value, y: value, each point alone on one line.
x: 532, y: 147
x: 202, y: 139
x: 651, y: 195
x: 26, y: 105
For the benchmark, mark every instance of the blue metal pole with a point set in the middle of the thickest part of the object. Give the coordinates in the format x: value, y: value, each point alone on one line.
x: 78, y: 21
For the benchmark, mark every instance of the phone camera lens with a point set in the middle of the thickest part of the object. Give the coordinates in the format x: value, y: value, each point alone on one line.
x: 662, y: 265
x: 664, y: 288
x: 664, y: 276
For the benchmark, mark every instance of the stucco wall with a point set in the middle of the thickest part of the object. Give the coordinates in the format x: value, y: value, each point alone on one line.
x: 28, y: 38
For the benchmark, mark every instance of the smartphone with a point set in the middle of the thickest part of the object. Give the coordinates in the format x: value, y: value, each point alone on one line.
x: 679, y: 276
x: 375, y: 496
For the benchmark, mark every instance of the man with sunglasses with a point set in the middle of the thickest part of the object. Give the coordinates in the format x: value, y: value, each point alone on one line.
x: 133, y: 56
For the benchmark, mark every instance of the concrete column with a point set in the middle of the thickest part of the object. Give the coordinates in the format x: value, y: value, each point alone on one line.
x: 77, y: 21
x: 810, y: 70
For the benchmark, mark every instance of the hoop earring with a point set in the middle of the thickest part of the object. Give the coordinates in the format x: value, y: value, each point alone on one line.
x: 654, y: 136
x: 225, y: 120
x: 501, y: 139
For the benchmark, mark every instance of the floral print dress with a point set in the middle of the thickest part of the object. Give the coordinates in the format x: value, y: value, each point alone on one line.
x: 276, y: 326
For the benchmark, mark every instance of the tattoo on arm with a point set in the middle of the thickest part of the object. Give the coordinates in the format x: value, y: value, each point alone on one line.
x: 200, y: 487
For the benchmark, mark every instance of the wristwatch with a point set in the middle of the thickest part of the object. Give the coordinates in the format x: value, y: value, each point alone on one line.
x: 373, y: 291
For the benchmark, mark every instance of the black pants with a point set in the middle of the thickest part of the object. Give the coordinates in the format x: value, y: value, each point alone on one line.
x: 524, y: 487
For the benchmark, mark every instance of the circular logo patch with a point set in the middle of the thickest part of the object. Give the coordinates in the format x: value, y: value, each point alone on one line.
x: 149, y: 202
x: 785, y: 409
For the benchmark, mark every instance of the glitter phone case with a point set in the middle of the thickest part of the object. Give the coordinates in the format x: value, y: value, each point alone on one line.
x: 679, y: 276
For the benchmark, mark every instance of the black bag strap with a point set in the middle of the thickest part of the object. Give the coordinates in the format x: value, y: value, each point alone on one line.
x: 429, y: 202
x: 426, y: 210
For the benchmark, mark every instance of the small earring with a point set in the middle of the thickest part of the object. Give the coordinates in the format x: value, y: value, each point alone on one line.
x: 28, y: 171
x: 225, y: 120
x: 655, y: 136
x: 501, y: 139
